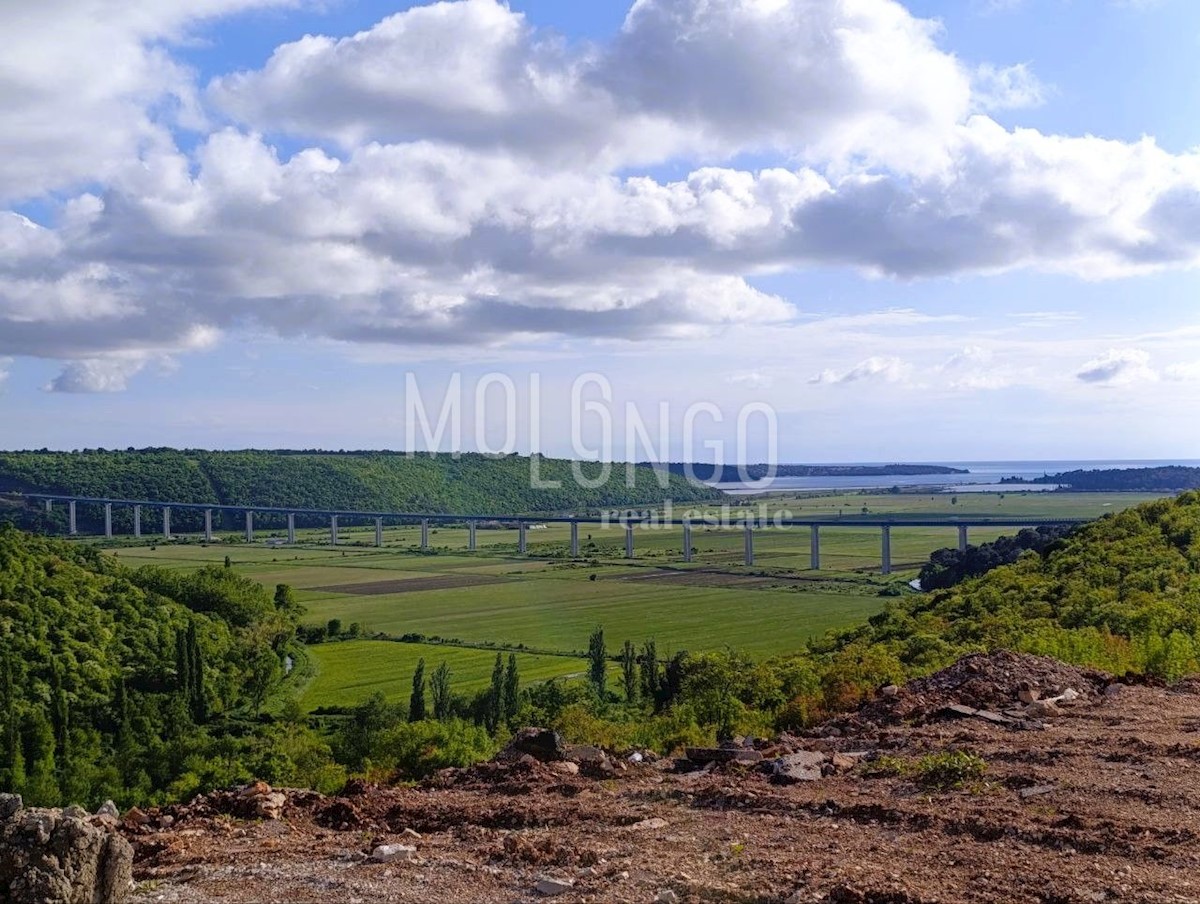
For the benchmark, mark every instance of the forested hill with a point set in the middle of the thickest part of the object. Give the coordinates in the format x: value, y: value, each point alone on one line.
x: 128, y: 684
x: 737, y: 474
x: 367, y: 481
x: 1167, y: 479
x: 1121, y: 593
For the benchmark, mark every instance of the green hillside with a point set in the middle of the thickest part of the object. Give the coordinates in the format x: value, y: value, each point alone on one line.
x: 1121, y: 593
x: 372, y: 481
x: 127, y: 684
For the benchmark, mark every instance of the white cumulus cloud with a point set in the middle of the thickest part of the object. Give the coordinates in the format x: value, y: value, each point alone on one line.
x: 455, y: 176
x: 1118, y: 367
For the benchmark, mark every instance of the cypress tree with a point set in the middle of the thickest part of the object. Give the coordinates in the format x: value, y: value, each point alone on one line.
x: 629, y: 672
x: 440, y: 686
x: 41, y: 786
x: 495, y: 714
x: 183, y: 681
x: 416, y: 702
x: 197, y: 704
x: 60, y: 719
x: 649, y: 669
x: 512, y: 689
x: 597, y: 661
x: 12, y: 767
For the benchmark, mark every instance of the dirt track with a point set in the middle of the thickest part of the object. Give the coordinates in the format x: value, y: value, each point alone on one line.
x: 1110, y: 812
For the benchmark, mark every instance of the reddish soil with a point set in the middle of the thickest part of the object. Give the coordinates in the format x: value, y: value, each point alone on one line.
x: 1097, y: 802
x: 412, y: 585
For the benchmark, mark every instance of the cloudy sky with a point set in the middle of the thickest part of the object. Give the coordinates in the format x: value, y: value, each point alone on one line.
x: 938, y: 229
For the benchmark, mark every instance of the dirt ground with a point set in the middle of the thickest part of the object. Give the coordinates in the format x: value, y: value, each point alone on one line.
x: 1095, y: 799
x: 412, y: 585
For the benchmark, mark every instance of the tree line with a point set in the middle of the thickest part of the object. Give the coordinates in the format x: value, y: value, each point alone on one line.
x: 365, y: 481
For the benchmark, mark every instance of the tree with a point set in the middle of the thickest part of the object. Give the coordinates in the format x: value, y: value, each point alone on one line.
x: 597, y: 661
x: 12, y: 766
x: 285, y: 599
x: 334, y: 628
x: 264, y: 672
x: 416, y: 701
x: 440, y: 689
x: 629, y: 672
x: 512, y: 689
x: 495, y: 710
x: 649, y: 669
x: 41, y: 787
x: 197, y: 702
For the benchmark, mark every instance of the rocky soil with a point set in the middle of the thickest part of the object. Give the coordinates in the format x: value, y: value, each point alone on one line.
x: 1094, y: 797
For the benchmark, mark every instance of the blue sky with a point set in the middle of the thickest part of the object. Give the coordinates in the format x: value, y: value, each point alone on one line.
x: 924, y: 231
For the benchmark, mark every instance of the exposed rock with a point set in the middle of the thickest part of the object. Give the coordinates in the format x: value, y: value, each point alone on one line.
x: 1070, y: 695
x: 1036, y: 791
x: 957, y: 710
x: 702, y: 755
x: 388, y: 853
x: 50, y: 857
x: 803, y: 766
x: 842, y: 762
x: 1041, y: 709
x: 550, y: 887
x: 654, y: 822
x: 540, y: 743
x: 258, y: 801
x: 585, y: 753
x: 666, y: 896
x: 889, y: 690
x: 565, y: 767
x: 136, y: 816
x: 10, y: 805
x: 108, y: 808
x: 1027, y: 694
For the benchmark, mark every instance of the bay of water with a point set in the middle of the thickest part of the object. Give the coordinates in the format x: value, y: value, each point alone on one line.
x: 984, y: 476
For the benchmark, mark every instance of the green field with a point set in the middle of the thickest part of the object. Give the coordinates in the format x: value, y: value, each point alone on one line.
x: 354, y: 669
x: 545, y: 602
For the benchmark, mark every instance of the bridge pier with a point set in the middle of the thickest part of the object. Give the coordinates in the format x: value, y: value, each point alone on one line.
x: 137, y: 520
x: 628, y: 540
x: 249, y: 527
x: 574, y: 539
x: 472, y: 539
x: 962, y: 538
x: 333, y: 526
x: 108, y: 520
x: 814, y: 548
x: 71, y: 528
x: 749, y: 543
x: 424, y: 533
x: 379, y: 532
x: 521, y: 543
x: 687, y: 541
x: 291, y: 527
x: 49, y: 506
x: 208, y: 536
x: 886, y: 552
x: 166, y: 522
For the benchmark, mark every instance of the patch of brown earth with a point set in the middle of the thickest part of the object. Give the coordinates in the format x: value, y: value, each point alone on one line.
x: 1099, y: 801
x: 412, y: 585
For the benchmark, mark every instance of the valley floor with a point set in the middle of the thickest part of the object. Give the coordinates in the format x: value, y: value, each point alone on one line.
x: 1098, y: 802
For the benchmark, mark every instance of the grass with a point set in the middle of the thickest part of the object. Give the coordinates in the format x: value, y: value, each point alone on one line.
x: 545, y: 602
x: 349, y: 671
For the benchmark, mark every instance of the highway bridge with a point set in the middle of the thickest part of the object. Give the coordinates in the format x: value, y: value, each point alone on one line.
x: 749, y: 525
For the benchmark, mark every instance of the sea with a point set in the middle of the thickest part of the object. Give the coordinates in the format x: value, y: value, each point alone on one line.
x: 982, y: 476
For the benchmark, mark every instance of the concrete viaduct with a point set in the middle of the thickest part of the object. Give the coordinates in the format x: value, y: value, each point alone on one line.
x: 749, y: 526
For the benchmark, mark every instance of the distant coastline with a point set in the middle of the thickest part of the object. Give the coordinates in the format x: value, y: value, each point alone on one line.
x: 1167, y: 479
